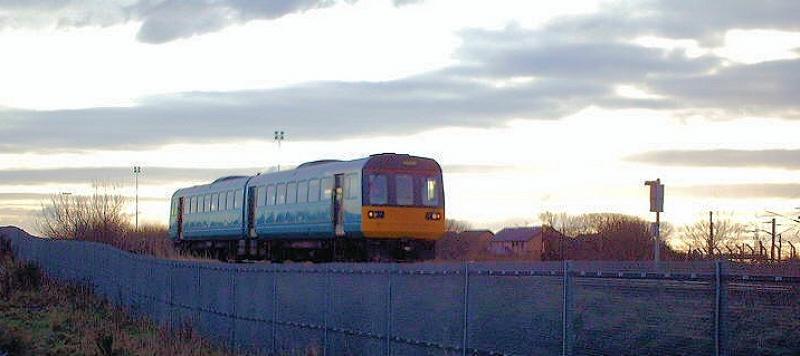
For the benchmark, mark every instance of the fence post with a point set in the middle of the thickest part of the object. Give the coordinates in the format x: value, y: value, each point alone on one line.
x: 565, y: 308
x: 466, y: 309
x: 325, y: 314
x: 717, y: 305
x: 274, y: 310
x: 234, y: 272
x: 389, y: 313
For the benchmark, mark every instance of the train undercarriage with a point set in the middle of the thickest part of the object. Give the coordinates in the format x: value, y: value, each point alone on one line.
x: 337, y: 250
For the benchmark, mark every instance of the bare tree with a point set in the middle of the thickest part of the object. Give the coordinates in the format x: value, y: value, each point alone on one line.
x: 99, y: 216
x: 452, y: 225
x: 699, y: 237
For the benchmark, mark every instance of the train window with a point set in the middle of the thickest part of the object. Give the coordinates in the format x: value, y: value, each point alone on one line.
x: 302, y: 192
x: 261, y: 195
x: 404, y: 189
x: 207, y: 203
x: 229, y: 202
x: 271, y: 195
x: 237, y: 201
x: 351, y: 185
x: 378, y: 191
x: 291, y: 193
x: 193, y: 206
x: 214, y: 202
x: 313, y: 190
x: 327, y: 189
x: 430, y: 192
x: 281, y: 198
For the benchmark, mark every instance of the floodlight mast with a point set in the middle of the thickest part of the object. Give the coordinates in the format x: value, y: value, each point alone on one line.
x: 656, y: 206
x: 136, y: 171
x: 279, y: 138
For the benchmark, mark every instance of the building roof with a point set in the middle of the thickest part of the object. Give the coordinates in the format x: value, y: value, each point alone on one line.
x: 475, y: 234
x: 513, y: 234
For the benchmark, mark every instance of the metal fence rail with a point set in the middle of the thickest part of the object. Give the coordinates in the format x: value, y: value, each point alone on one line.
x: 452, y: 308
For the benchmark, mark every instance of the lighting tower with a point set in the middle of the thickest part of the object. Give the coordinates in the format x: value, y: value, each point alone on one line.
x: 136, y: 171
x: 279, y: 139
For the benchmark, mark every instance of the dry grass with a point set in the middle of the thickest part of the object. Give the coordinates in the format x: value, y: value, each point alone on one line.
x: 42, y: 316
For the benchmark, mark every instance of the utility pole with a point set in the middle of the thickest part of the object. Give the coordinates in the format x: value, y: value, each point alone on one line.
x: 772, y: 248
x: 279, y: 138
x: 136, y: 171
x: 711, y: 243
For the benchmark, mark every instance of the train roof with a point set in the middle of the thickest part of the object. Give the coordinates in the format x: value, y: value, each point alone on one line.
x: 318, y: 168
x: 223, y: 183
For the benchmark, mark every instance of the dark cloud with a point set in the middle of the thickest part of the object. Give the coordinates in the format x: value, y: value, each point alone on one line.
x: 766, y: 88
x: 739, y: 191
x: 162, y: 20
x: 783, y: 159
x: 568, y: 78
x: 574, y: 63
x: 85, y: 175
x: 476, y: 168
x: 706, y: 21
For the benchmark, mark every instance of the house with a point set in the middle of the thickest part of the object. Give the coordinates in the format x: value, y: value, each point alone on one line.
x: 464, y: 246
x: 528, y: 242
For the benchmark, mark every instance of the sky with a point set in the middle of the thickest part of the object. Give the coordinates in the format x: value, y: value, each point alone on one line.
x: 529, y: 106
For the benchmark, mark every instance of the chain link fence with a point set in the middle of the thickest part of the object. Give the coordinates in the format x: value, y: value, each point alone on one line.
x: 546, y: 308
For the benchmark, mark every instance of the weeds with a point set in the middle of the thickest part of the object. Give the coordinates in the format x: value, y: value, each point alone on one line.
x: 42, y: 316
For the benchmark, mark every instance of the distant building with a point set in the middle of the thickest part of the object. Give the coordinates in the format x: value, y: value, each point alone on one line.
x: 528, y: 242
x: 464, y: 246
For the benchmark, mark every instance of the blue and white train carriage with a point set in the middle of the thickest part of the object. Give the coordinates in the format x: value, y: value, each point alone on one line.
x: 383, y: 207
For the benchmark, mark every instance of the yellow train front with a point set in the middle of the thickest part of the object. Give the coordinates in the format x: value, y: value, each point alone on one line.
x: 402, y: 213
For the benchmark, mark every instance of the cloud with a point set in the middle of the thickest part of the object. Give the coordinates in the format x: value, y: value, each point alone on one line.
x: 706, y: 21
x: 85, y: 175
x: 161, y: 20
x: 499, y: 75
x: 740, y: 191
x: 567, y: 77
x: 767, y: 88
x: 782, y: 159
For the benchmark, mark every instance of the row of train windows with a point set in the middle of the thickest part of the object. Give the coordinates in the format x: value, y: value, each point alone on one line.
x: 222, y: 201
x: 312, y: 190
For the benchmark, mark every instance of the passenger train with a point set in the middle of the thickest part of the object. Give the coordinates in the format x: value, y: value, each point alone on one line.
x: 386, y: 207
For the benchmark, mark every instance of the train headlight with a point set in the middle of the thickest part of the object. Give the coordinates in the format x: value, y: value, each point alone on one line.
x: 433, y: 216
x: 375, y: 214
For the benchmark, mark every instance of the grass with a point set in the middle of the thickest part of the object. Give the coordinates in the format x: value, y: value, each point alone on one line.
x: 41, y: 316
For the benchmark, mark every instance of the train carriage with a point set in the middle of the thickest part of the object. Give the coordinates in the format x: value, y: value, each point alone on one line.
x: 383, y: 207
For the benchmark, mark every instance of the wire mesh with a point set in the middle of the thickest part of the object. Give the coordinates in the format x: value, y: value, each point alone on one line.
x: 447, y: 308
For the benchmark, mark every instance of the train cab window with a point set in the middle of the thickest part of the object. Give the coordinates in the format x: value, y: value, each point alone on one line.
x: 270, y: 194
x: 214, y: 202
x: 229, y: 202
x: 281, y: 198
x: 261, y: 196
x: 291, y: 193
x: 237, y: 202
x: 313, y: 190
x: 404, y: 189
x: 378, y: 189
x: 302, y: 191
x: 207, y: 203
x: 430, y: 191
x: 327, y: 189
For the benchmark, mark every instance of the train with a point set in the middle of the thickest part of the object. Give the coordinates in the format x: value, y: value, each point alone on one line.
x: 387, y: 207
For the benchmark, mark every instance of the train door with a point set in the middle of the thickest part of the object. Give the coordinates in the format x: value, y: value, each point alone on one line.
x: 179, y: 221
x: 251, y: 212
x: 338, y: 204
